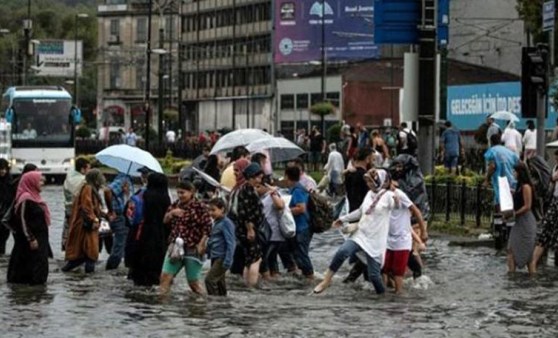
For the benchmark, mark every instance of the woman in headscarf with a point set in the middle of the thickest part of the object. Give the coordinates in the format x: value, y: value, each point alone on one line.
x: 29, y: 259
x: 246, y: 211
x: 150, y: 238
x: 370, y: 234
x: 83, y: 239
x: 6, y: 200
x: 116, y: 197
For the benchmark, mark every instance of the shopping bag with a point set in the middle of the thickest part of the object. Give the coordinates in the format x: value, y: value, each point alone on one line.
x: 504, y: 195
x: 287, y: 223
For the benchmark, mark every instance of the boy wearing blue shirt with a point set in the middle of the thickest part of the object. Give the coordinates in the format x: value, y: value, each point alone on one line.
x: 299, y: 202
x: 221, y: 246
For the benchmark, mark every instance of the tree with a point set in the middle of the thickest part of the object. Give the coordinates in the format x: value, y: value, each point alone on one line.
x: 531, y: 12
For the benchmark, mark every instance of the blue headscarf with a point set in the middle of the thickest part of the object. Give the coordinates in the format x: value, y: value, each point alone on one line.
x: 117, y: 187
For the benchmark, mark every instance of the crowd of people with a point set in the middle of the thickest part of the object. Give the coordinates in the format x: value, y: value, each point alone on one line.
x: 238, y: 224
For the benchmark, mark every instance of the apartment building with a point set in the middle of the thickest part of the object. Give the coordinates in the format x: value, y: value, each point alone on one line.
x: 122, y: 60
x: 226, y: 63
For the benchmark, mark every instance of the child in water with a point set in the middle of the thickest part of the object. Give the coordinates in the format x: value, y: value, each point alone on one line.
x: 221, y: 248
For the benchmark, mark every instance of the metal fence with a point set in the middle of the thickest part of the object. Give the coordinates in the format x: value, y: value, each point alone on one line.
x: 186, y: 150
x: 460, y: 204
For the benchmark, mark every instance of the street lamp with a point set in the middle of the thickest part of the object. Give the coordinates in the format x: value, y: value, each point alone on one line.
x: 78, y: 16
x: 160, y: 52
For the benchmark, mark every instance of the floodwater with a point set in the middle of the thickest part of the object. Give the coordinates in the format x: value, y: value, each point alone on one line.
x: 470, y: 295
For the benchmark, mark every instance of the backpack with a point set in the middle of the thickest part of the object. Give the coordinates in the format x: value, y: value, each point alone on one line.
x: 321, y: 213
x: 412, y: 142
x: 541, y: 177
x: 390, y: 141
x: 134, y: 210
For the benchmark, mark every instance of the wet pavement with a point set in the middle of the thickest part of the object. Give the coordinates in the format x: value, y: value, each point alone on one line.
x: 467, y: 294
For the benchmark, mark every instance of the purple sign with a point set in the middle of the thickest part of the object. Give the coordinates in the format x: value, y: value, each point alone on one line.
x: 347, y: 24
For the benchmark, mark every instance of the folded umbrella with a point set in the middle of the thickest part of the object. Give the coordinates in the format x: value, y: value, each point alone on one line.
x: 128, y: 160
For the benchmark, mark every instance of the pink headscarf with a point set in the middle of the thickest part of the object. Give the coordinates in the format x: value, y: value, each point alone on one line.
x: 240, y: 165
x: 29, y: 189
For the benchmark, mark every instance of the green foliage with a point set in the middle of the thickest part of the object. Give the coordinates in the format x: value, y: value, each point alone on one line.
x: 333, y: 133
x: 83, y: 132
x: 531, y: 12
x: 51, y: 20
x: 322, y: 108
x: 443, y: 176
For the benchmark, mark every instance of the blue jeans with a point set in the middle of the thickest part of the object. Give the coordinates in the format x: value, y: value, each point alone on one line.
x: 120, y: 231
x: 350, y: 248
x: 301, y: 248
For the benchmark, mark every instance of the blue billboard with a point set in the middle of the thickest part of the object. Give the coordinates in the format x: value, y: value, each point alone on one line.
x: 469, y: 105
x: 348, y: 27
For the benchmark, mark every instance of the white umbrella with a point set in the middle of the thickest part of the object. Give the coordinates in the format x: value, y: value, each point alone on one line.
x: 211, y: 180
x: 552, y: 144
x: 505, y: 115
x: 127, y: 159
x: 280, y: 148
x: 241, y: 137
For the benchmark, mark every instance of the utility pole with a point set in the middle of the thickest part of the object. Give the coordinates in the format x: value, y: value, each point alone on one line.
x: 27, y: 26
x: 147, y: 106
x: 324, y: 66
x: 427, y: 84
x: 161, y: 93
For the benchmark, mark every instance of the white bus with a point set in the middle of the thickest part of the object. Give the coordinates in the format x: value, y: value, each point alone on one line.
x: 43, y: 124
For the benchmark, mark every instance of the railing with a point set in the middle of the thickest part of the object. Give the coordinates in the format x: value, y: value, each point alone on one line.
x: 459, y: 203
x: 186, y: 150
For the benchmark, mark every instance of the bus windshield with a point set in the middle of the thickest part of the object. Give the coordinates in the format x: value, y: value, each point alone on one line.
x: 41, y: 122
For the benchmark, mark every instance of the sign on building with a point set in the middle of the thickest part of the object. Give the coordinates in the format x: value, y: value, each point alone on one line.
x: 58, y: 58
x: 548, y: 15
x: 348, y: 27
x: 469, y: 105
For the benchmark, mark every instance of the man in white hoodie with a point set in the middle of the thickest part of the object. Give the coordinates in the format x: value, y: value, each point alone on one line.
x: 512, y: 139
x: 72, y: 186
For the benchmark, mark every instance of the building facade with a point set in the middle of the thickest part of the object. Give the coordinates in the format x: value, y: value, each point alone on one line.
x: 122, y: 62
x: 226, y: 64
x: 487, y: 33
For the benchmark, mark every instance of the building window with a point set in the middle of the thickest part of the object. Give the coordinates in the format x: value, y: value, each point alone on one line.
x: 115, y: 27
x: 333, y: 97
x: 140, y: 74
x: 287, y: 101
x: 169, y: 28
x: 302, y: 101
x: 141, y: 30
x: 115, y: 75
x: 315, y: 98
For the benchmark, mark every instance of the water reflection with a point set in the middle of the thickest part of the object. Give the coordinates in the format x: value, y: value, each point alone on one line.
x: 470, y: 294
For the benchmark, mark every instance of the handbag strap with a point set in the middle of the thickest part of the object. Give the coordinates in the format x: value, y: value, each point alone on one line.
x: 375, y: 202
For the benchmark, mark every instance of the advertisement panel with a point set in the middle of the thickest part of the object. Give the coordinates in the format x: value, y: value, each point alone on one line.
x: 57, y: 58
x: 469, y: 105
x: 348, y: 26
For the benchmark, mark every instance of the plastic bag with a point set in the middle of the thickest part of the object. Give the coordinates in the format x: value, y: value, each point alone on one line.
x: 504, y: 194
x: 287, y: 224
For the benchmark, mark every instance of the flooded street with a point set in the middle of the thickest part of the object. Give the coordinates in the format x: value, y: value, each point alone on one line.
x: 471, y: 295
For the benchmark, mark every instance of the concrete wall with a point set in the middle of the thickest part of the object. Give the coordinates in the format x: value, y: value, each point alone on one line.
x: 487, y: 33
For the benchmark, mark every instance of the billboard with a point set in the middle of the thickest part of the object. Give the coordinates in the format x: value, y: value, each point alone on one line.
x: 348, y: 26
x: 469, y: 105
x: 57, y: 58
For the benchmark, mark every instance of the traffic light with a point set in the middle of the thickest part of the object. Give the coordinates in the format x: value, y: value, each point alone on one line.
x: 534, y: 78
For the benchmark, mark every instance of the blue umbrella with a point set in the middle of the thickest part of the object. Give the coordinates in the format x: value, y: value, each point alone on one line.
x: 127, y: 159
